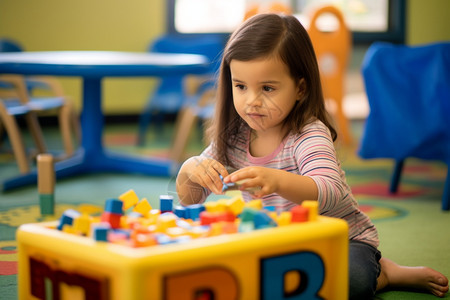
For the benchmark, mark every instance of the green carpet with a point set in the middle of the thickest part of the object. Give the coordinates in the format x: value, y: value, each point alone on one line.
x: 412, y: 227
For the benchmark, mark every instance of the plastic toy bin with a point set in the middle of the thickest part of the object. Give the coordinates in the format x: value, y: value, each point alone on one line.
x: 298, y: 261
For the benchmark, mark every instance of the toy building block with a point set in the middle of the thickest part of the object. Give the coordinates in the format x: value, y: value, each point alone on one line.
x: 117, y: 237
x: 248, y: 214
x: 153, y: 215
x: 100, y: 232
x: 207, y: 217
x: 313, y: 207
x: 270, y: 208
x: 46, y: 183
x: 229, y: 227
x: 255, y: 204
x: 143, y: 207
x: 176, y: 231
x: 129, y: 199
x: 165, y: 221
x: 222, y: 205
x: 236, y: 205
x: 114, y: 206
x: 82, y: 224
x: 226, y: 216
x: 180, y: 211
x: 67, y: 218
x: 262, y: 220
x: 143, y: 240
x: 211, y: 206
x: 193, y: 211
x: 284, y: 218
x: 112, y: 219
x: 165, y: 203
x: 299, y: 213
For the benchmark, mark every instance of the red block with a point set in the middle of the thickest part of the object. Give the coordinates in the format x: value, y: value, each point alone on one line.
x: 206, y: 218
x: 112, y: 219
x: 299, y: 214
x: 225, y: 217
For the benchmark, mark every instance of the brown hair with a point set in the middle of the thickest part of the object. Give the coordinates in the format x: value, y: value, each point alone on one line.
x: 266, y: 35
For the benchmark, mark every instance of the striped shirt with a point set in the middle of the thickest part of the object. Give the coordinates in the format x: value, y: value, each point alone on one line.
x: 311, y: 154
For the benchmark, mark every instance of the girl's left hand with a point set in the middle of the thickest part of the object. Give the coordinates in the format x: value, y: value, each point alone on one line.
x: 263, y: 181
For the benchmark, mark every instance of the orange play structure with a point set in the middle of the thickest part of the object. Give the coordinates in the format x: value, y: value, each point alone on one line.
x: 333, y: 50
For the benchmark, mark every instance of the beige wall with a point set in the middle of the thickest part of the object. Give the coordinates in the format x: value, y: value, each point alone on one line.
x: 130, y: 25
x: 41, y: 25
x: 427, y: 21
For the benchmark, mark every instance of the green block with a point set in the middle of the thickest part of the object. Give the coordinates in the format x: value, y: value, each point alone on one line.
x: 248, y: 214
x: 47, y: 204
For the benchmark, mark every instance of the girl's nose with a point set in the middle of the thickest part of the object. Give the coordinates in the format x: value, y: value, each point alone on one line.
x: 255, y: 99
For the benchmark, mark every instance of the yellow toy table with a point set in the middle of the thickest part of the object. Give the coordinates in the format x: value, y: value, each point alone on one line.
x: 297, y: 261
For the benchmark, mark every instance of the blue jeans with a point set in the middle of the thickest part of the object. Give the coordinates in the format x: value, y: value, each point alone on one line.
x: 364, y: 269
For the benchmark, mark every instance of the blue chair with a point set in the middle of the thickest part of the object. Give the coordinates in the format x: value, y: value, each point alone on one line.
x: 200, y: 108
x: 15, y: 102
x: 408, y: 89
x: 51, y: 98
x: 170, y: 95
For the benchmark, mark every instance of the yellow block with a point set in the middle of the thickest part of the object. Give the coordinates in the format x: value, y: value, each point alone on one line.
x: 129, y: 199
x: 313, y: 207
x: 143, y: 207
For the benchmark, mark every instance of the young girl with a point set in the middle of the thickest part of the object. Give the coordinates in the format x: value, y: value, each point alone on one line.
x: 272, y: 127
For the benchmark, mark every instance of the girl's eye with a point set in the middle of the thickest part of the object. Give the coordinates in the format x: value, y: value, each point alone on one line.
x: 268, y: 89
x: 240, y: 86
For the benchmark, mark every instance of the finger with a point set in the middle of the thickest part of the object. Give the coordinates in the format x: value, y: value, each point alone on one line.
x: 215, y: 181
x: 221, y: 170
x: 250, y: 183
x: 238, y: 176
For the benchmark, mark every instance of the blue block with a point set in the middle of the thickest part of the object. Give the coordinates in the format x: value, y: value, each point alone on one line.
x: 194, y: 210
x: 180, y: 211
x: 114, y: 206
x: 67, y: 218
x: 165, y: 203
x: 270, y: 208
x: 100, y: 233
x: 262, y: 220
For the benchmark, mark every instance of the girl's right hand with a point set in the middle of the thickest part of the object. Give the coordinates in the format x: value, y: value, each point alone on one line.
x: 206, y: 172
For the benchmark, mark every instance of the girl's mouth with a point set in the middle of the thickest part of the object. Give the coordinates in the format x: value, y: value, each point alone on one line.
x: 255, y: 115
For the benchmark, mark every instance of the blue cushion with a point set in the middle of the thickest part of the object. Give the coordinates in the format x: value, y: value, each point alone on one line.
x: 408, y: 89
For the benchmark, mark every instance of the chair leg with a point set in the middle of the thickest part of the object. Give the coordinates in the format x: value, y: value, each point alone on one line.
x: 36, y: 131
x: 16, y: 141
x: 64, y: 118
x: 446, y: 195
x: 185, y: 122
x: 396, y: 176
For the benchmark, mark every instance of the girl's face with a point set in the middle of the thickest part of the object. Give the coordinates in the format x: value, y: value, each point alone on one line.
x: 264, y: 93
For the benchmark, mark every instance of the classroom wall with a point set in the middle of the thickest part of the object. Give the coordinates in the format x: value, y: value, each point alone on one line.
x: 41, y: 25
x: 427, y: 21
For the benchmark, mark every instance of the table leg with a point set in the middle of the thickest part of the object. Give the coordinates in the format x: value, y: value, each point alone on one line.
x: 92, y: 157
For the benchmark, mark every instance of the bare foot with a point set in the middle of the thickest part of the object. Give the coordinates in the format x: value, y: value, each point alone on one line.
x: 394, y: 275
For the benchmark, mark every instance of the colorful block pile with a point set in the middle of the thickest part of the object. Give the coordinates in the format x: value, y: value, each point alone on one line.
x: 133, y: 222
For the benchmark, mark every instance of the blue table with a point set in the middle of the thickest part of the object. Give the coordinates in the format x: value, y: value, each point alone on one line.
x: 92, y: 67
